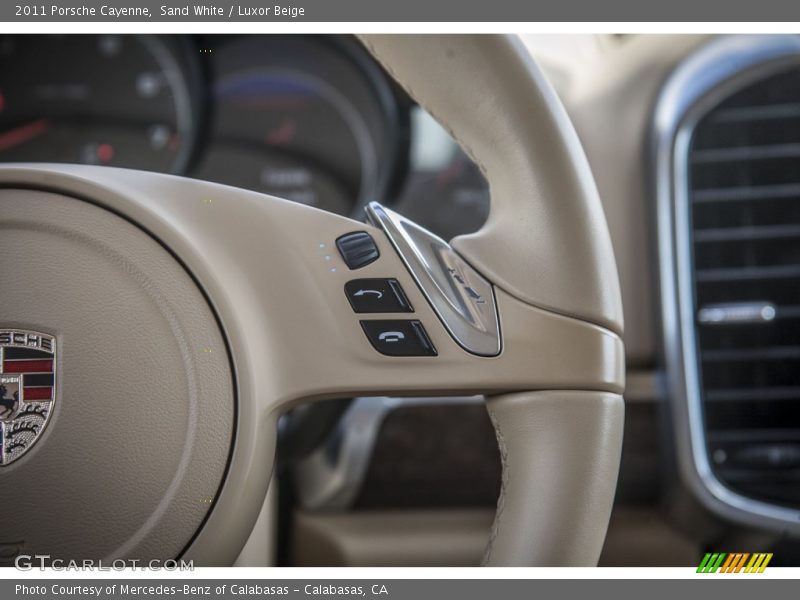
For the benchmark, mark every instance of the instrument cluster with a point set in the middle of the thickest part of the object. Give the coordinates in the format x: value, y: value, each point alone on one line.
x: 309, y: 118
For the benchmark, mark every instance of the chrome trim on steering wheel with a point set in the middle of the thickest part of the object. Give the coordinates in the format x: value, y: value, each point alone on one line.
x: 461, y: 297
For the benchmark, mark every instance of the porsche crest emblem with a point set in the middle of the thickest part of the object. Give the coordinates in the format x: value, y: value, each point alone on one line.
x: 27, y: 390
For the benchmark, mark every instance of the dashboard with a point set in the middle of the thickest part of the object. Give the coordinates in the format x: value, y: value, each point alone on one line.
x: 309, y: 118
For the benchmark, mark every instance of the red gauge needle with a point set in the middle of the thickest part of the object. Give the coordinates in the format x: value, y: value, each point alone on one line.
x: 24, y: 133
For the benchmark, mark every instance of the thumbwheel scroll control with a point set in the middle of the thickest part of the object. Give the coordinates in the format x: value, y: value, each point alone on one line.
x: 358, y: 249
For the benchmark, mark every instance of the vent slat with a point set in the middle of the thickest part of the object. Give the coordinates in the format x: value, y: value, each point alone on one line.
x: 747, y: 192
x: 719, y: 155
x: 790, y: 311
x: 751, y: 354
x: 752, y: 394
x: 759, y: 435
x: 748, y: 273
x: 757, y: 113
x: 726, y: 234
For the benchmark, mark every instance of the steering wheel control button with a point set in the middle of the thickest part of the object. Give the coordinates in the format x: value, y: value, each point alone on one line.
x: 377, y: 296
x: 399, y: 337
x: 358, y: 249
x: 461, y: 297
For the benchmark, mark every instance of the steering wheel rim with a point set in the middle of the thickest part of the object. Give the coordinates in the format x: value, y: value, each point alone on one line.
x: 273, y: 280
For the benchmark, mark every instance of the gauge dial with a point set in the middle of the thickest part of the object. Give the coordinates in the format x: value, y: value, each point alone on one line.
x: 445, y: 191
x: 109, y: 100
x: 296, y: 118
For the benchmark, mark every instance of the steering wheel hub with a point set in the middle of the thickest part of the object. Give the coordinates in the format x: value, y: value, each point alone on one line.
x: 123, y: 456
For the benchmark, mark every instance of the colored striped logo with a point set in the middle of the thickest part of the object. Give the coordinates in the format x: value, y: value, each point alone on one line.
x: 736, y: 562
x: 27, y: 390
x: 35, y: 368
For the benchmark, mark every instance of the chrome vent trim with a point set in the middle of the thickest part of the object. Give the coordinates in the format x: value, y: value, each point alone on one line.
x: 719, y: 68
x: 739, y: 312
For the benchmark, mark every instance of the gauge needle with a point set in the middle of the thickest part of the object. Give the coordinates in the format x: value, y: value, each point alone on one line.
x: 24, y: 133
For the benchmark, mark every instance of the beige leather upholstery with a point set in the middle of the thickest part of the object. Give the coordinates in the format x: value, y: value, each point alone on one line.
x: 560, y: 454
x: 546, y: 240
x: 637, y: 537
x: 391, y: 538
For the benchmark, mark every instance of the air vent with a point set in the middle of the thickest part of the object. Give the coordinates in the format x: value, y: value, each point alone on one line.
x: 743, y: 168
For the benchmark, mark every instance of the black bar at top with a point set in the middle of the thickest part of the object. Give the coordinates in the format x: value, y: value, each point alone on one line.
x: 25, y: 353
x: 37, y: 380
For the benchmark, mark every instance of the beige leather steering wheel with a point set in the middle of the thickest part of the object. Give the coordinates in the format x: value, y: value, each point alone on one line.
x: 179, y: 318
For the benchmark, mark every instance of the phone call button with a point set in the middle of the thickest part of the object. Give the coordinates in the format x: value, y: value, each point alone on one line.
x: 399, y: 337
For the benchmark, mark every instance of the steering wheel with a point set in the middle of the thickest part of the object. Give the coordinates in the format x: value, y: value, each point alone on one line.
x: 153, y: 328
